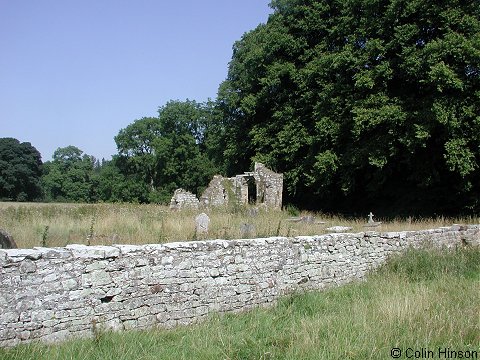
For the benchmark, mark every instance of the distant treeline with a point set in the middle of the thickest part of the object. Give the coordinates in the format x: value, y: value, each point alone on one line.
x: 361, y: 104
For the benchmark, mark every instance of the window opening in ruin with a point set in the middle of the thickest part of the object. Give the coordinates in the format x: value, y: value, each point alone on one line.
x: 252, y: 191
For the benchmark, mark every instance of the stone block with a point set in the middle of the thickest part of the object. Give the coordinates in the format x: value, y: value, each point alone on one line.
x: 27, y: 266
x: 87, y: 252
x: 127, y: 249
x: 53, y: 253
x: 17, y: 255
x: 6, y: 240
x: 96, y: 265
x: 96, y: 278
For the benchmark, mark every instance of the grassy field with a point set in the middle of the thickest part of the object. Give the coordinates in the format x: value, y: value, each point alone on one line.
x: 422, y: 300
x: 105, y: 224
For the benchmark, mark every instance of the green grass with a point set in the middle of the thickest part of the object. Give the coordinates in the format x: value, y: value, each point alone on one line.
x: 423, y: 299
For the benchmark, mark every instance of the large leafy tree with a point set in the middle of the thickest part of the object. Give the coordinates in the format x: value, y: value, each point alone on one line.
x: 363, y: 104
x: 135, y: 146
x: 20, y: 170
x: 115, y: 186
x: 70, y: 176
x: 166, y: 152
x: 182, y: 160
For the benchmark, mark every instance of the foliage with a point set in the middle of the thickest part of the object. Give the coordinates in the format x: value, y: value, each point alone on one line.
x: 70, y: 176
x: 114, y: 186
x: 361, y: 102
x: 20, y: 170
x: 363, y: 105
x: 136, y: 150
x: 167, y: 152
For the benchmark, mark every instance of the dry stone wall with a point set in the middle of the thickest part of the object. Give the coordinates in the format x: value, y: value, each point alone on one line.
x: 52, y: 294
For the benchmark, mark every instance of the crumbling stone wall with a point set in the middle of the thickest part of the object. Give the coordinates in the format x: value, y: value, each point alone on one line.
x: 217, y: 193
x: 268, y: 188
x: 183, y: 199
x: 51, y: 294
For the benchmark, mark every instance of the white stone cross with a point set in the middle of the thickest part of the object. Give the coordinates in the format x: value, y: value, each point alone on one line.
x: 370, y: 218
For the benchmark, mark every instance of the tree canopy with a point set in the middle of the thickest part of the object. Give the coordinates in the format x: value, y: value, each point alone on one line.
x: 167, y: 152
x: 70, y: 176
x: 20, y: 170
x: 364, y: 105
x: 361, y: 103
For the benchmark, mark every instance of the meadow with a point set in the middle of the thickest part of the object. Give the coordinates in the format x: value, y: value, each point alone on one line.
x: 48, y: 224
x: 424, y: 299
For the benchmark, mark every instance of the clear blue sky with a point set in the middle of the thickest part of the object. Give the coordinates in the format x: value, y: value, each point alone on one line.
x: 76, y: 72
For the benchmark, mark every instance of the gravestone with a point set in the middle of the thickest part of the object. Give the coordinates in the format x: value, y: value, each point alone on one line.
x: 370, y: 218
x: 247, y: 230
x: 372, y: 223
x: 6, y: 240
x: 308, y: 219
x: 201, y: 224
x: 253, y: 212
x: 338, y: 229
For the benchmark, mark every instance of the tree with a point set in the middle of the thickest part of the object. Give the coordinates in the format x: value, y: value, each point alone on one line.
x: 70, y: 176
x: 362, y: 104
x: 167, y: 152
x: 114, y: 186
x: 181, y: 157
x: 20, y: 170
x: 135, y: 146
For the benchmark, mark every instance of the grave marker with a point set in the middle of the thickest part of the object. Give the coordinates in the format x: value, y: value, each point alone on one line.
x: 201, y: 224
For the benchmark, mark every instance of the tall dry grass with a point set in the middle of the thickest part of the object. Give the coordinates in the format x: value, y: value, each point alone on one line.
x: 37, y: 224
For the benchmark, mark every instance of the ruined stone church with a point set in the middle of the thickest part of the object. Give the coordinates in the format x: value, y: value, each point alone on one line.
x: 262, y: 186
